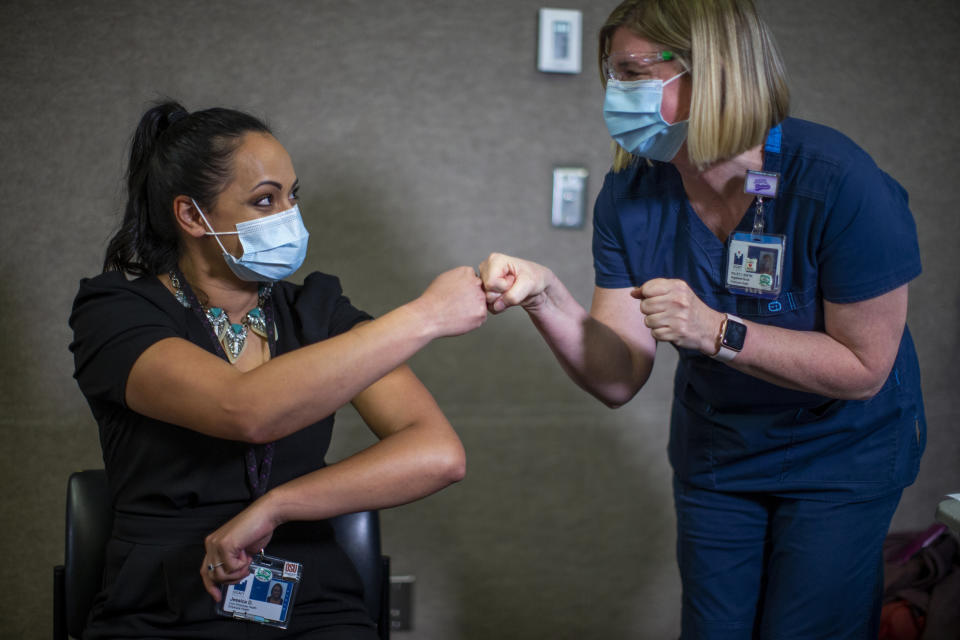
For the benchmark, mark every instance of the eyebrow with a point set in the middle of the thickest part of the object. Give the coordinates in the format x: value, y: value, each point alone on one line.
x: 273, y: 183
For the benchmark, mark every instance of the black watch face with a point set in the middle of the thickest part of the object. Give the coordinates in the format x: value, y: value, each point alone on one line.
x: 734, y: 335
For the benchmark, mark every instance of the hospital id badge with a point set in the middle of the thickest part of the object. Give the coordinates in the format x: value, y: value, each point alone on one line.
x: 266, y: 596
x: 755, y: 264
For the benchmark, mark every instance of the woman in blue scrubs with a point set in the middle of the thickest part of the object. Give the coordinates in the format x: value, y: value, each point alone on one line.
x: 774, y: 255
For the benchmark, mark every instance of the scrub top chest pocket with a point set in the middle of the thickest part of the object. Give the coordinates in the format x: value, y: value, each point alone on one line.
x: 754, y: 264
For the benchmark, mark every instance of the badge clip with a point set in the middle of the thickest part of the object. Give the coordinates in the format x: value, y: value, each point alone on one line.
x: 762, y: 183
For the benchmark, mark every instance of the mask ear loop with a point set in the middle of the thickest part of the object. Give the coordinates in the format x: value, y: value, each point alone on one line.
x: 661, y: 94
x: 675, y: 77
x: 213, y: 233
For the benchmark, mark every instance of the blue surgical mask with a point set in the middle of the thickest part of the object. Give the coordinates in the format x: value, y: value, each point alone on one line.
x: 273, y: 247
x: 632, y: 113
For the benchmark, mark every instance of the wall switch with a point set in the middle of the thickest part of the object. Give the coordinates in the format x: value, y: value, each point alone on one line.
x: 401, y: 603
x: 560, y: 40
x: 569, y: 197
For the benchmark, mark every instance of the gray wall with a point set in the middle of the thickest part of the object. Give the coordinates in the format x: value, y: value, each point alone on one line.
x: 424, y: 138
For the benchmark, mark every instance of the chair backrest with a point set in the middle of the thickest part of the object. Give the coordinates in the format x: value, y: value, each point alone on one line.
x: 89, y: 521
x: 359, y: 536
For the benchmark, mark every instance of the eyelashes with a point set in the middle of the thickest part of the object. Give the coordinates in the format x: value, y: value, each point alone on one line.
x: 268, y: 200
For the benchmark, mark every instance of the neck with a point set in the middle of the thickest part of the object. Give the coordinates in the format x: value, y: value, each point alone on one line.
x: 218, y: 287
x: 716, y: 192
x: 724, y: 178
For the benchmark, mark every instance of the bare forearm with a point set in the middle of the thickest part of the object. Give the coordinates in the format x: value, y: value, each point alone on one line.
x: 594, y: 356
x: 408, y: 465
x: 850, y: 359
x: 608, y: 352
x: 810, y: 361
x: 318, y: 379
x: 414, y: 461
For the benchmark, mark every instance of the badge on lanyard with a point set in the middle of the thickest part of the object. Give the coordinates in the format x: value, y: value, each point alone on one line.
x: 755, y: 259
x: 266, y: 595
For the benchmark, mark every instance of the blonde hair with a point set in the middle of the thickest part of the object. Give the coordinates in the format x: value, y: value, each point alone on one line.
x: 739, y: 81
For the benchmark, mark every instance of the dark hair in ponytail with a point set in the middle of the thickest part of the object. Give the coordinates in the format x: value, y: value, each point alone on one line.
x: 173, y: 152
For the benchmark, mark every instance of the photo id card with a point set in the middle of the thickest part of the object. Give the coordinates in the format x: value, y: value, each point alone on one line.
x: 266, y: 595
x: 755, y: 264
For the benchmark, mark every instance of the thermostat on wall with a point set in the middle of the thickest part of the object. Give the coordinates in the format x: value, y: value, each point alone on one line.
x: 560, y: 31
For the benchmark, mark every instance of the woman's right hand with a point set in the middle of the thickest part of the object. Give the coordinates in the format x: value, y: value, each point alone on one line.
x: 231, y: 548
x: 510, y: 281
x: 454, y: 303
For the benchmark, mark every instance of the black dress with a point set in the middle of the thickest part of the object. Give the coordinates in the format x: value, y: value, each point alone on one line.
x: 172, y: 486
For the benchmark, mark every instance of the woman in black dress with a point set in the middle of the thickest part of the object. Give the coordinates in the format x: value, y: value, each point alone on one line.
x: 214, y: 383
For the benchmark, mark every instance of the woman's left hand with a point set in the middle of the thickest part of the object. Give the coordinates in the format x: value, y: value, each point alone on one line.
x: 675, y: 314
x: 231, y: 548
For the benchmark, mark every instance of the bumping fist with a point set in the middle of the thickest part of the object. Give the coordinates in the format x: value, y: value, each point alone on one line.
x: 510, y: 281
x: 455, y: 302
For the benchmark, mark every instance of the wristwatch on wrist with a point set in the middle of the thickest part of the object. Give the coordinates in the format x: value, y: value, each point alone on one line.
x: 730, y: 341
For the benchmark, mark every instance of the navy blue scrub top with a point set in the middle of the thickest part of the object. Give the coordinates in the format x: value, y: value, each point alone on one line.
x: 850, y: 236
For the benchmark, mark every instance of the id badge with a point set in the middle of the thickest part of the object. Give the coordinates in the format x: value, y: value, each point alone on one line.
x: 755, y: 264
x: 266, y: 596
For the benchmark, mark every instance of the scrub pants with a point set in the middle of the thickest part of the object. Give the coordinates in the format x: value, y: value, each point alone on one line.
x: 764, y: 567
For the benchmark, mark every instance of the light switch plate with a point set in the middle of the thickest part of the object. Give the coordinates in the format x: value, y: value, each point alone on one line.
x: 569, y: 197
x: 560, y: 40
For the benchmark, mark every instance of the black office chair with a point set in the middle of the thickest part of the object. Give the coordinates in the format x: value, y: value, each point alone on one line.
x: 90, y: 519
x: 359, y: 535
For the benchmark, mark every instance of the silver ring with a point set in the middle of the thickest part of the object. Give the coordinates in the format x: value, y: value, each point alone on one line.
x: 211, y: 567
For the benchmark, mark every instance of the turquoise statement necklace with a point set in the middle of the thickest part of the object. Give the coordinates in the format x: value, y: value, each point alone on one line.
x: 232, y: 336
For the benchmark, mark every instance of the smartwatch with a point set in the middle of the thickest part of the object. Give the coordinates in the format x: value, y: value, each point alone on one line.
x: 730, y: 341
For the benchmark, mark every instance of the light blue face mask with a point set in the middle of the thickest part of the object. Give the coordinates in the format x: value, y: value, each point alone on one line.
x: 273, y: 247
x: 632, y: 113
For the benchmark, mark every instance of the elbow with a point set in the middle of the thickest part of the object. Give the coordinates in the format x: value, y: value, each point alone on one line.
x: 456, y: 473
x: 865, y: 387
x: 444, y: 465
x: 251, y: 431
x: 874, y: 380
x: 259, y: 436
x: 244, y: 421
x: 615, y: 393
x: 615, y: 398
x: 867, y: 392
x: 452, y: 466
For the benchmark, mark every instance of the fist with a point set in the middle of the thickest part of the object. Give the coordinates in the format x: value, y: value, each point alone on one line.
x: 455, y: 302
x: 675, y: 314
x: 510, y: 281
